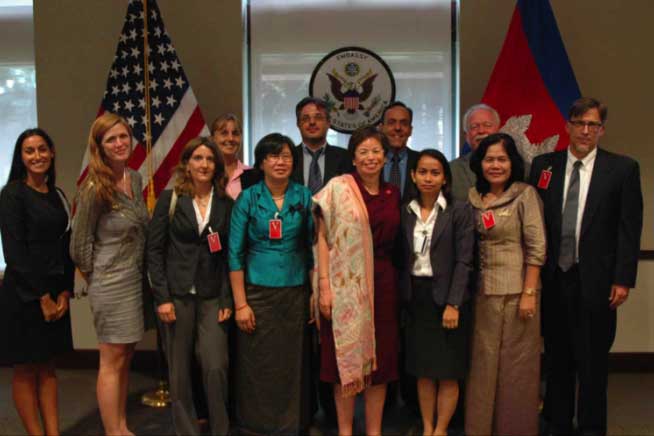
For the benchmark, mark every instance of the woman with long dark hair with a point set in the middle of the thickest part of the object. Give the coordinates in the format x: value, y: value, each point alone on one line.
x: 38, y: 280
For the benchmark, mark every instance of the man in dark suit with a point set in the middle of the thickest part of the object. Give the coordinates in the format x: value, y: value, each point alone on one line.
x: 593, y: 215
x: 397, y: 125
x: 317, y: 161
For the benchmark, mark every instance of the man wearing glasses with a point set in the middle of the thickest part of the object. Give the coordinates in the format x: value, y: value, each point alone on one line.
x: 479, y: 121
x: 317, y: 161
x: 593, y: 216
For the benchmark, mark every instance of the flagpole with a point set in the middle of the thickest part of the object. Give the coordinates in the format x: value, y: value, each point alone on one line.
x: 161, y: 396
x: 148, y: 128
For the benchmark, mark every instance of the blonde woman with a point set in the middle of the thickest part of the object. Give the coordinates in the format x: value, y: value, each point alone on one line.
x: 107, y: 246
x: 227, y: 133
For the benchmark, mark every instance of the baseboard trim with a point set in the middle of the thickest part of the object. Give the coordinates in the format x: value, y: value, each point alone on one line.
x: 631, y: 362
x: 147, y: 361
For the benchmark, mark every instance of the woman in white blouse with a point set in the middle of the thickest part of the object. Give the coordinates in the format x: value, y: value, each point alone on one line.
x: 438, y: 240
x: 187, y: 265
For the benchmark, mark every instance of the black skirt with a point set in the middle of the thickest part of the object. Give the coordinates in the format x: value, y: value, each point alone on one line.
x: 431, y: 350
x: 272, y: 366
x: 25, y: 336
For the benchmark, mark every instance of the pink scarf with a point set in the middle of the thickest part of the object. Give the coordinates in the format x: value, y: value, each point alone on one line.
x: 351, y: 277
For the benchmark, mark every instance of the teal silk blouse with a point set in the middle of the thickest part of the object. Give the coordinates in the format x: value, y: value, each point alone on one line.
x: 269, y: 262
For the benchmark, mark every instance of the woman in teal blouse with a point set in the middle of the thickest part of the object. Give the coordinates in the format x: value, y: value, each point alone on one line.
x: 269, y: 260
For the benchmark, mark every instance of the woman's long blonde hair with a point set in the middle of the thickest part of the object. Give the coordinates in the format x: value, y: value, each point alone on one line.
x: 100, y: 175
x: 183, y: 182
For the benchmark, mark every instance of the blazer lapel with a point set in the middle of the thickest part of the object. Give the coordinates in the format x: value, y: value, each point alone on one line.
x: 555, y: 208
x: 601, y: 169
x: 298, y: 171
x: 214, y: 216
x: 185, y: 203
x: 440, y: 225
x: 410, y: 226
x: 330, y: 164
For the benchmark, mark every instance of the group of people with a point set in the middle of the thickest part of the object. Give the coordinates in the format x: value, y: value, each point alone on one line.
x: 409, y: 266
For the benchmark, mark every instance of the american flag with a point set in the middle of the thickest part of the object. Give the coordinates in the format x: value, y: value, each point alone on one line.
x: 175, y: 115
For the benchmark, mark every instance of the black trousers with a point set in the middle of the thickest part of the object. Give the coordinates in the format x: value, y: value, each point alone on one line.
x: 578, y: 336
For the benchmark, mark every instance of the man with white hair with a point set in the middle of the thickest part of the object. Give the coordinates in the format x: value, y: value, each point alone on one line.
x: 479, y: 121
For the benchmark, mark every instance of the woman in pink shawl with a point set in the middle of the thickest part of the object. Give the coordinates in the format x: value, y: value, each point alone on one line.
x: 355, y: 287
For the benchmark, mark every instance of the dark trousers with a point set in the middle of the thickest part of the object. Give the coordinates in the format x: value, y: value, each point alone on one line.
x: 578, y: 336
x: 196, y: 330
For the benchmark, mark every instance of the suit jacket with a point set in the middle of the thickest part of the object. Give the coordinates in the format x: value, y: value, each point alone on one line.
x: 451, y: 253
x: 179, y: 258
x: 463, y: 178
x: 337, y: 162
x: 609, y: 240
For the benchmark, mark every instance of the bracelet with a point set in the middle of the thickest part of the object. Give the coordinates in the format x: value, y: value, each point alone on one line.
x: 242, y: 307
x: 529, y: 291
x: 323, y: 278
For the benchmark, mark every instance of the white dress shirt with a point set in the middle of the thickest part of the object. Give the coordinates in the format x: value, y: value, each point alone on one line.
x: 422, y: 234
x: 202, y: 222
x: 585, y: 173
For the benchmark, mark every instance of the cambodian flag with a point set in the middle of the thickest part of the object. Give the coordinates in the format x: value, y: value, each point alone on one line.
x: 532, y: 85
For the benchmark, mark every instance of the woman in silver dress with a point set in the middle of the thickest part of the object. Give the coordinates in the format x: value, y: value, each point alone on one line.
x: 107, y: 246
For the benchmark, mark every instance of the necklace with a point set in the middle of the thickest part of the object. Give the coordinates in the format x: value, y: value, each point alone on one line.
x: 123, y: 188
x: 279, y: 197
x: 202, y: 201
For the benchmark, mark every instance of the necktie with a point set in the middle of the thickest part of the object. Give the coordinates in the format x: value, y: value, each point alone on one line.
x: 315, y: 177
x: 395, y: 177
x: 569, y: 222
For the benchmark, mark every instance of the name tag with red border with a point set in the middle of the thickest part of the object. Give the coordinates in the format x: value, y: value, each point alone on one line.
x: 213, y: 239
x: 545, y: 178
x: 275, y: 229
x: 488, y: 219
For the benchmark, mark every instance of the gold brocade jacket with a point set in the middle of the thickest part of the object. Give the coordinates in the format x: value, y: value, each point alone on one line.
x: 516, y: 239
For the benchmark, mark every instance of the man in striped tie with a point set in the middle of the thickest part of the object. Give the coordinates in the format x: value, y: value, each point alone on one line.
x: 317, y: 161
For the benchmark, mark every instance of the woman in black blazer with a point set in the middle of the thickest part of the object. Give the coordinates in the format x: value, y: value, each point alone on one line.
x: 438, y: 242
x: 38, y: 280
x: 187, y: 264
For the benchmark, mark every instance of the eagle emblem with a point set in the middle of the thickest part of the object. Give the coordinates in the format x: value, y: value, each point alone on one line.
x: 351, y: 93
x: 356, y: 84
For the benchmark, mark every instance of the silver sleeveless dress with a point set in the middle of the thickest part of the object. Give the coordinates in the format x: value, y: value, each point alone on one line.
x: 108, y: 247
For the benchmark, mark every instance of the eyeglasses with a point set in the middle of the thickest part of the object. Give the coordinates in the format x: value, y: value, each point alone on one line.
x: 318, y: 118
x: 285, y: 157
x: 593, y: 126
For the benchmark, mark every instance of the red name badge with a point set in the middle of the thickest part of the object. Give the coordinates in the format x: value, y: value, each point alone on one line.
x: 488, y: 218
x: 214, y: 242
x: 275, y: 229
x: 544, y: 180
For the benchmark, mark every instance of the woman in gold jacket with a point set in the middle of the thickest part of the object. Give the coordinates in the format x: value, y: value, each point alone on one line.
x: 502, y: 389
